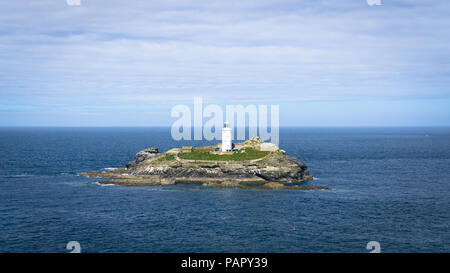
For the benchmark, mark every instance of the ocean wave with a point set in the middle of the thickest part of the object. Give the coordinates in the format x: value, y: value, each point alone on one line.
x: 40, y: 174
x: 67, y: 174
x: 104, y: 185
x: 108, y: 169
x: 17, y: 175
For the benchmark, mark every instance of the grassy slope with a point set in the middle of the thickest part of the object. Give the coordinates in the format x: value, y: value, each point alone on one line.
x: 164, y: 159
x: 248, y: 154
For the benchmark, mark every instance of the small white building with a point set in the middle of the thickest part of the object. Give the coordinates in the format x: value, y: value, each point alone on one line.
x: 227, y: 146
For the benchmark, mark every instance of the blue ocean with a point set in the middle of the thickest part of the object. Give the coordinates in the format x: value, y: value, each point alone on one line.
x: 390, y: 185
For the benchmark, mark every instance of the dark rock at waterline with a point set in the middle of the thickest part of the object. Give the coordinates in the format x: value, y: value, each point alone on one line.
x: 142, y: 156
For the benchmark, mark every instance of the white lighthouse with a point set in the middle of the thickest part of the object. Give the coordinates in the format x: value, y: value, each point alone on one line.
x: 226, y: 137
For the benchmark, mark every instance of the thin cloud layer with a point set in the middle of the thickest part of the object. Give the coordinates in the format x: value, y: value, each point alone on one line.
x: 107, y: 55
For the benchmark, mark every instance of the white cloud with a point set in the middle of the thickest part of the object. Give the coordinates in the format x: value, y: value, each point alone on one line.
x: 127, y: 52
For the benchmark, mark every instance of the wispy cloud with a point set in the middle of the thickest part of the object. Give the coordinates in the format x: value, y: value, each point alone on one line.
x: 120, y: 54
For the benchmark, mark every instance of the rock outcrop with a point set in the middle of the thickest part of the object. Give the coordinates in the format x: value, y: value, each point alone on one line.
x: 142, y: 156
x: 266, y: 168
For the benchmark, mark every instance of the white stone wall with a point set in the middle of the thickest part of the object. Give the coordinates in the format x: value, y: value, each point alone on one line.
x: 268, y: 147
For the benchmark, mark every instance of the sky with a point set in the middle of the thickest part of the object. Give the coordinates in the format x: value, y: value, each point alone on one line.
x: 128, y: 63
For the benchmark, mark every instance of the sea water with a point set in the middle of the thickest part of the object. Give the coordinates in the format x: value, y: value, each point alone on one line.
x: 390, y: 185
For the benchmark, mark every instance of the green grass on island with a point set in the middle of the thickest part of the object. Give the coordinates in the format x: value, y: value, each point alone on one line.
x: 165, y: 159
x: 245, y: 154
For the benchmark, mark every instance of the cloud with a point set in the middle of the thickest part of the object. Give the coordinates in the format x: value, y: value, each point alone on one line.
x: 110, y: 54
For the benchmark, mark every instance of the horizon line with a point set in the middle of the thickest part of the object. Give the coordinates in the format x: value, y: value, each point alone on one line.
x: 282, y: 126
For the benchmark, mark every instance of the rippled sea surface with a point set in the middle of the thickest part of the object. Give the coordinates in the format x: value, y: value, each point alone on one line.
x: 390, y: 185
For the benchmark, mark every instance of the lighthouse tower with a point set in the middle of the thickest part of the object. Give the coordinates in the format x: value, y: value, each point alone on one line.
x: 226, y: 137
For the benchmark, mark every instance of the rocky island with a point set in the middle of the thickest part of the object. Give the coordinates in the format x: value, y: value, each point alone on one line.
x: 252, y: 164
